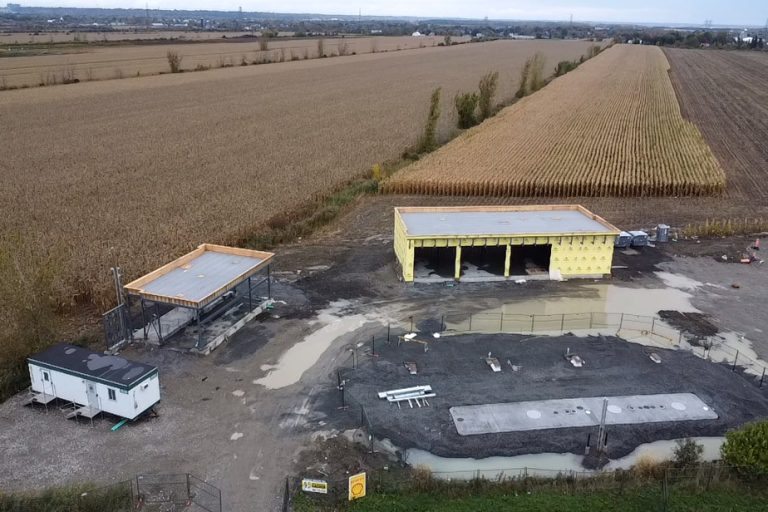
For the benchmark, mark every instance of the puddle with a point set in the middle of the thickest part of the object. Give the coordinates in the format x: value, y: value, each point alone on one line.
x: 601, y: 298
x: 679, y: 281
x: 546, y: 464
x: 304, y: 354
x: 730, y: 346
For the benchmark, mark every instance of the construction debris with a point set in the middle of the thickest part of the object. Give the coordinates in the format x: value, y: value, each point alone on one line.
x: 574, y: 359
x: 655, y: 357
x: 493, y: 363
x: 416, y: 394
x: 411, y: 367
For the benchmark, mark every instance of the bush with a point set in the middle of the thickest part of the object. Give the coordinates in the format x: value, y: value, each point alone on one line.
x: 748, y: 448
x: 487, y: 88
x: 466, y: 104
x: 565, y: 66
x: 531, y: 76
x: 174, y: 61
x: 687, y: 453
x: 428, y: 140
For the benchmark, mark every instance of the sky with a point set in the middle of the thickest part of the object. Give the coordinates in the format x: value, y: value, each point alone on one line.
x: 721, y: 12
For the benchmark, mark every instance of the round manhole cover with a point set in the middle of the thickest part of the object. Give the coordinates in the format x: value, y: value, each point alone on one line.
x: 533, y: 414
x: 615, y: 409
x: 678, y: 406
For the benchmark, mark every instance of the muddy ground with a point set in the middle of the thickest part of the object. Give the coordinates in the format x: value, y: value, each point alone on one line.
x: 216, y: 422
x: 455, y: 368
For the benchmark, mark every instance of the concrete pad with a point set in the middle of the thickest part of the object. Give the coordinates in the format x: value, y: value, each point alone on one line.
x: 578, y: 412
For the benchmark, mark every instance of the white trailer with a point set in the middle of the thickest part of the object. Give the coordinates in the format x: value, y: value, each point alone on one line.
x: 93, y: 382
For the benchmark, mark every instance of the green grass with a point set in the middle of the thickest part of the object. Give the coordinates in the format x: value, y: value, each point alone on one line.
x: 640, y: 500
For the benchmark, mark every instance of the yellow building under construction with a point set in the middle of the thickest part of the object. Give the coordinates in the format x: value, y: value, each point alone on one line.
x: 485, y: 243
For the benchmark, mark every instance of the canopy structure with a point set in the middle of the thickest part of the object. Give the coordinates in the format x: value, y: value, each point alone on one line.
x: 216, y: 289
x: 201, y: 276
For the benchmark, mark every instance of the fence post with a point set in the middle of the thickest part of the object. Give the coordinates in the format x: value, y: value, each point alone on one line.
x: 287, y: 495
x: 442, y: 323
x: 387, y: 332
x: 621, y: 322
x: 762, y: 377
x: 653, y: 324
x: 501, y: 322
x: 470, y: 322
x: 373, y: 345
x: 189, y: 491
x: 411, y: 318
x: 734, y: 361
x: 562, y: 322
x: 533, y: 322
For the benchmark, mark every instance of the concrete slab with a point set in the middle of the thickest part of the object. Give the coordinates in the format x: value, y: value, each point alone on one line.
x: 578, y: 412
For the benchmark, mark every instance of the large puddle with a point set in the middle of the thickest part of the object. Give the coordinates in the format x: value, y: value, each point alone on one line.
x: 546, y: 464
x: 304, y: 354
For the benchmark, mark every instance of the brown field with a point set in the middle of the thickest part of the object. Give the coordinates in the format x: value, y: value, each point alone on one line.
x: 137, y: 171
x: 125, y: 35
x: 725, y: 94
x: 87, y: 63
x: 611, y: 127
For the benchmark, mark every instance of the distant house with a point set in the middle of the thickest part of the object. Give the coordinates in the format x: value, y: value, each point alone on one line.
x: 416, y: 34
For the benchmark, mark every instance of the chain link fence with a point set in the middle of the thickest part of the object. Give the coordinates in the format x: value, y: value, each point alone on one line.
x: 663, y: 486
x: 151, y: 493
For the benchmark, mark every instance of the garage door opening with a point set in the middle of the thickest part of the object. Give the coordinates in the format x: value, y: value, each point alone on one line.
x: 530, y: 260
x: 434, y: 263
x: 486, y: 262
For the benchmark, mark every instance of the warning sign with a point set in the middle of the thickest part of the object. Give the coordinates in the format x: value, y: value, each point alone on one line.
x: 356, y: 486
x: 309, y: 485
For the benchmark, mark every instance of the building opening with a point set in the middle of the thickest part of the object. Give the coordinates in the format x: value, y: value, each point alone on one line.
x: 484, y: 261
x: 530, y: 260
x: 434, y: 262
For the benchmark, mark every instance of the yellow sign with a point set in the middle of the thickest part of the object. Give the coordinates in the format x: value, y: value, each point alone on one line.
x: 356, y: 486
x: 309, y: 485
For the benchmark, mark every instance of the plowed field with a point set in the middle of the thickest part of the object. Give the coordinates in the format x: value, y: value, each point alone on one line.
x: 725, y: 93
x: 612, y: 127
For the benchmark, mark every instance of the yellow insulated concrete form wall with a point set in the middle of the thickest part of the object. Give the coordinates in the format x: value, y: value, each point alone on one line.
x: 581, y: 246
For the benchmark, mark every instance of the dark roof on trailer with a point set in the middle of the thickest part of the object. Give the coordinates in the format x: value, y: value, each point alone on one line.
x: 110, y: 370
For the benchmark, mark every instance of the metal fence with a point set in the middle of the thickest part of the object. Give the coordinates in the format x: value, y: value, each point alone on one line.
x: 662, y: 485
x: 151, y: 493
x: 648, y: 330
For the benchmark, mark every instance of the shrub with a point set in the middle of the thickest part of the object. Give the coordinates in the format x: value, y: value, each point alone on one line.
x: 174, y: 61
x: 428, y: 140
x: 466, y: 104
x: 263, y: 44
x: 487, y: 86
x: 687, y: 453
x: 320, y: 48
x: 748, y: 448
x: 447, y: 41
x: 565, y: 66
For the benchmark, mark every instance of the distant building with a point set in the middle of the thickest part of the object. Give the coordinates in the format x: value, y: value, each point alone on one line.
x: 416, y: 34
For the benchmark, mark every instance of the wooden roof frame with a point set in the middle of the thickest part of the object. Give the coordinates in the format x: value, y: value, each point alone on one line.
x: 136, y: 287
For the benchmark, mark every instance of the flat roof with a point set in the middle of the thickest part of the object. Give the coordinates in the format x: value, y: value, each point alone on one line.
x: 494, y: 221
x: 199, y: 277
x: 113, y: 371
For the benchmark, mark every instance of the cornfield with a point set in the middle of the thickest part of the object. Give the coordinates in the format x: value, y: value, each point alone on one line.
x: 136, y: 172
x: 612, y: 127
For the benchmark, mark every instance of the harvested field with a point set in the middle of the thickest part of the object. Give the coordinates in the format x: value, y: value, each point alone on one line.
x: 612, y: 127
x: 87, y: 63
x: 138, y: 171
x: 112, y: 35
x: 724, y: 93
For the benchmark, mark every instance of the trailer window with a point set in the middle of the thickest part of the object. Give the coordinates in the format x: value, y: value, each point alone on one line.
x: 111, y: 393
x: 46, y: 376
